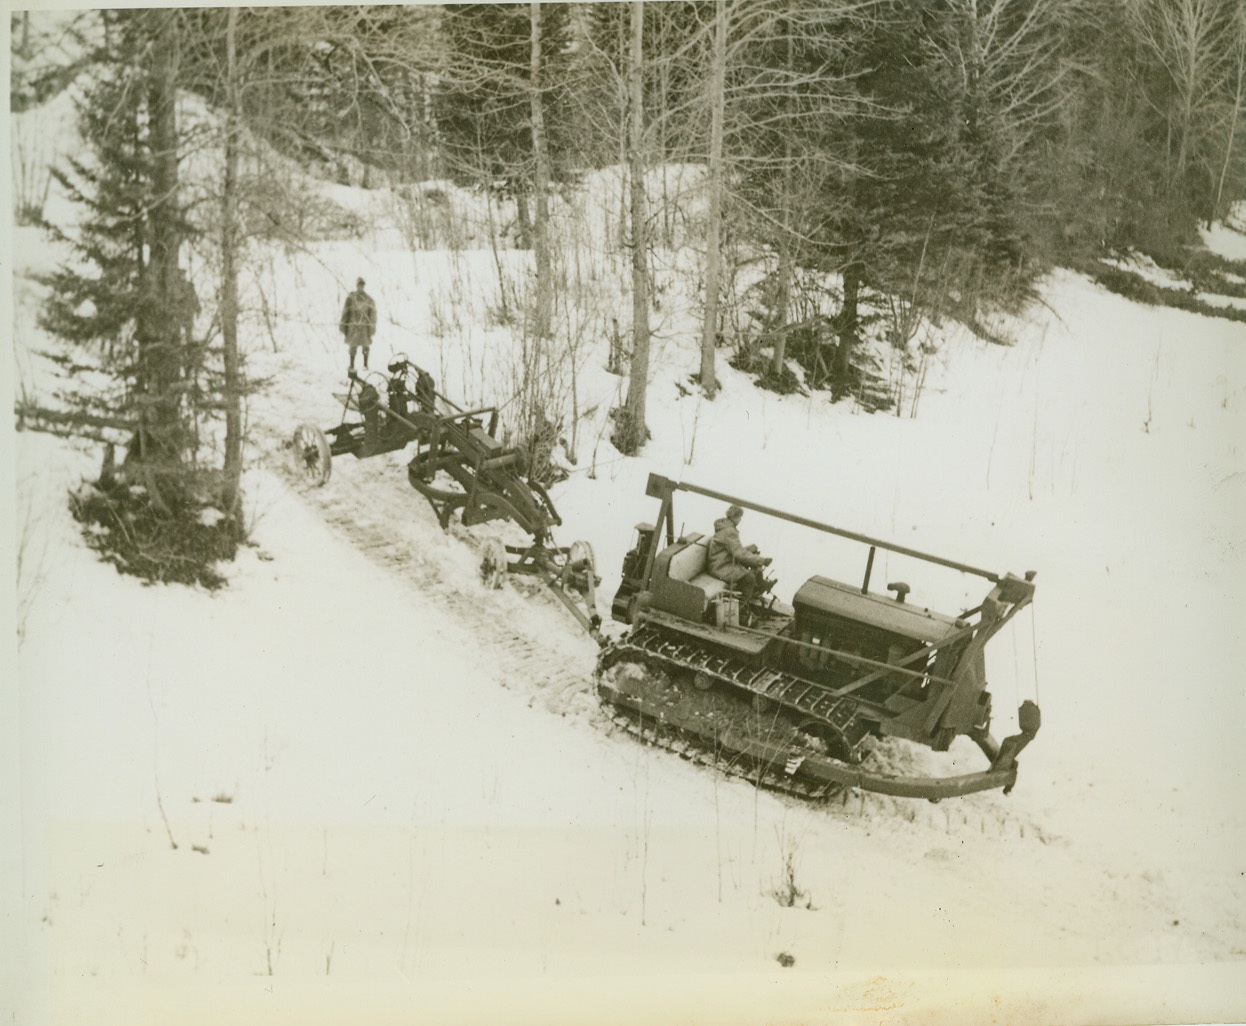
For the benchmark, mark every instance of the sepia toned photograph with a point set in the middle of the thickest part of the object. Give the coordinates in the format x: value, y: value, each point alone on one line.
x: 723, y: 512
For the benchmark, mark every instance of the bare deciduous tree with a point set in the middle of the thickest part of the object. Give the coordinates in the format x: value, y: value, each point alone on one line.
x: 631, y: 431
x: 713, y: 256
x: 540, y: 183
x: 1199, y: 45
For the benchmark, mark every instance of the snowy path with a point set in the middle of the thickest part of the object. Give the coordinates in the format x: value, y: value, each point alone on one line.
x: 393, y: 528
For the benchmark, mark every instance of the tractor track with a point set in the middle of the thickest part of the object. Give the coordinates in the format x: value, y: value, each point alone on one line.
x: 690, y: 749
x: 983, y: 814
x: 393, y: 529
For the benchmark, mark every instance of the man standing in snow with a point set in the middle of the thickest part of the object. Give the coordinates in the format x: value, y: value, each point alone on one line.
x: 359, y: 323
x: 731, y: 561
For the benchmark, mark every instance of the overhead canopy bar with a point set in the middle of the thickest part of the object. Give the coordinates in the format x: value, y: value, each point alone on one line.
x: 662, y: 487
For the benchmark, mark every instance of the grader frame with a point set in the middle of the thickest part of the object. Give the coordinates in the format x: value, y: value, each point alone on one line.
x: 459, y: 465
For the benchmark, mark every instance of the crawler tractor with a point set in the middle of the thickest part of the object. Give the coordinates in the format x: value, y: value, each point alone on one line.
x: 794, y: 696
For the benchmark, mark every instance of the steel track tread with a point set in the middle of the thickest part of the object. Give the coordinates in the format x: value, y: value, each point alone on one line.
x: 763, y: 763
x: 788, y: 690
x: 688, y: 745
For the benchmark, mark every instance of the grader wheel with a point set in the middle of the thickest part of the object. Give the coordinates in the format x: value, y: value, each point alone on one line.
x: 311, y: 454
x: 580, y: 557
x: 493, y: 563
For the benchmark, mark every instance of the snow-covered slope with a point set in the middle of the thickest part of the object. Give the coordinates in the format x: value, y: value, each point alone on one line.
x: 357, y: 783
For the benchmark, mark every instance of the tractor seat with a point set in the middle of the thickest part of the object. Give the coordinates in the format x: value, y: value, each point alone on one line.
x: 682, y: 586
x: 709, y: 584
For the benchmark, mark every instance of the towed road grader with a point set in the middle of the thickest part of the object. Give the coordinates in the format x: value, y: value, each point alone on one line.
x: 459, y: 465
x: 792, y: 697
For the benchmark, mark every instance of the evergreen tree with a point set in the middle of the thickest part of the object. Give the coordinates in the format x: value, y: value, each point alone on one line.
x: 792, y: 152
x: 125, y: 295
x: 126, y: 307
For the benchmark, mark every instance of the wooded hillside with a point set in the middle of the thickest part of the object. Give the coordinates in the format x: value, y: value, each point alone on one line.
x: 930, y: 159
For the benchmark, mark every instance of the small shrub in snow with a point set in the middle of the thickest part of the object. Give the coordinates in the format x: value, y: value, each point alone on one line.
x: 787, y: 893
x: 785, y: 382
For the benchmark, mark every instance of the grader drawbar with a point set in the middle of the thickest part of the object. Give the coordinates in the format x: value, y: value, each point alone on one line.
x: 459, y: 465
x: 794, y: 697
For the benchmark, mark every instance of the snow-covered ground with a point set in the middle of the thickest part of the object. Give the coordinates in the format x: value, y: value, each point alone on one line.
x: 356, y: 783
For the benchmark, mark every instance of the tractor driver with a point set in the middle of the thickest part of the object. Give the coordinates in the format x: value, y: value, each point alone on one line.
x: 733, y: 562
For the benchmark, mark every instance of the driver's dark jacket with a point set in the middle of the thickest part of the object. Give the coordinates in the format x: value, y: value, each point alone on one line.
x: 729, y: 559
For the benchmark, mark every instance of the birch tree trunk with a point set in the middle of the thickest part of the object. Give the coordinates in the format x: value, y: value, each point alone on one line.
x: 782, y: 296
x: 783, y: 284
x: 540, y: 186
x: 1235, y: 111
x: 713, y: 254
x: 632, y: 432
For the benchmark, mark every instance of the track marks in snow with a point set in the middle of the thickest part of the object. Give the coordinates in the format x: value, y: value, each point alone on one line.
x: 382, y: 517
